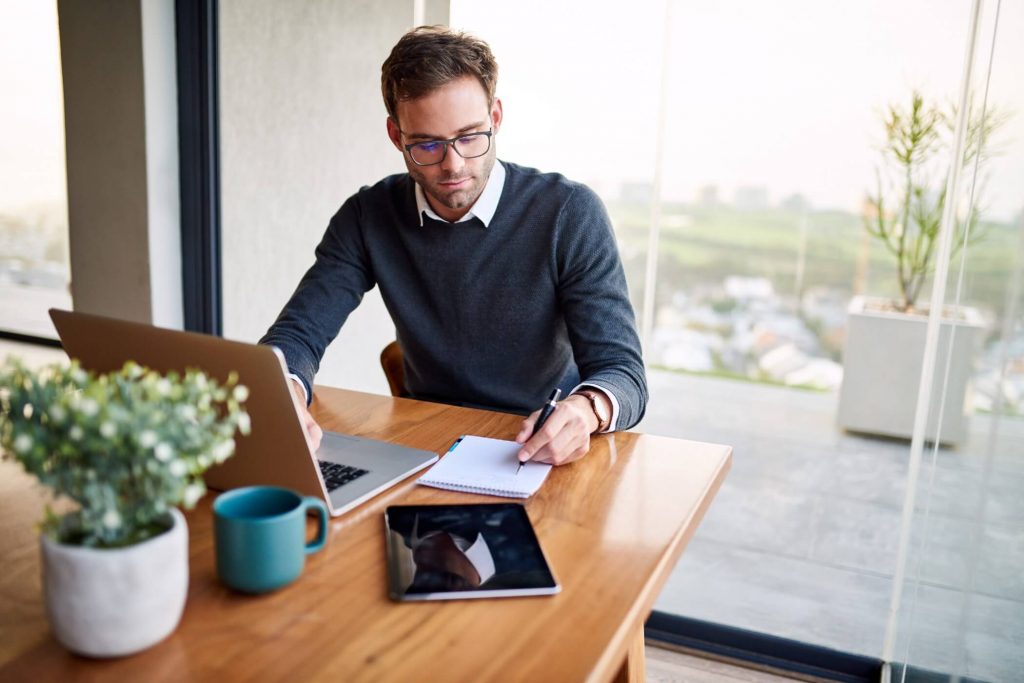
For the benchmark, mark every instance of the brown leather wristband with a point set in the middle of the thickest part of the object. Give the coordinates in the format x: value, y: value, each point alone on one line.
x: 604, y: 418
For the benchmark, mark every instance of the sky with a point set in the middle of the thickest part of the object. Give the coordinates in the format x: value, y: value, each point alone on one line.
x: 32, y: 110
x: 785, y: 94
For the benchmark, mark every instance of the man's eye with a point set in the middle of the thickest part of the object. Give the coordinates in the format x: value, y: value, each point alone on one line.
x: 467, y: 139
x: 429, y: 147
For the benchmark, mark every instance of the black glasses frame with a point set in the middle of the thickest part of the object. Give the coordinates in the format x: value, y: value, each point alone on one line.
x: 450, y: 143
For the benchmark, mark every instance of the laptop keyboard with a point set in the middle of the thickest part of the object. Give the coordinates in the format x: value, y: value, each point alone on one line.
x: 337, y: 475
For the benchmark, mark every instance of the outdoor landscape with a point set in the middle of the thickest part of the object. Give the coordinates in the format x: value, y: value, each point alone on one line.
x: 744, y: 289
x: 759, y: 292
x: 34, y: 273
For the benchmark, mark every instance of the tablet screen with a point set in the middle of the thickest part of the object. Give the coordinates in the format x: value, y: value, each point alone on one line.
x: 445, y: 552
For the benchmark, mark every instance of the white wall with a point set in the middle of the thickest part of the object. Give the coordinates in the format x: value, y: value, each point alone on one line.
x: 302, y: 128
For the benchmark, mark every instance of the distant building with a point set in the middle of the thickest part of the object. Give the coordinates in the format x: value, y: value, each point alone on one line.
x: 746, y: 288
x: 788, y: 364
x: 685, y: 349
x: 751, y: 197
x: 707, y: 196
x: 636, y: 192
x: 797, y: 203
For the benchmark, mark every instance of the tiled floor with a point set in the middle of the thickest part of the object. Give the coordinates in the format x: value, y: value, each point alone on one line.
x: 802, y: 540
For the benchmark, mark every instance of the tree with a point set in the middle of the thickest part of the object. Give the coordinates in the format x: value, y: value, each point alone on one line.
x: 905, y: 212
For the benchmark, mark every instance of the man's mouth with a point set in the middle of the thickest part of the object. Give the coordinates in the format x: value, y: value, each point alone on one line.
x: 454, y: 183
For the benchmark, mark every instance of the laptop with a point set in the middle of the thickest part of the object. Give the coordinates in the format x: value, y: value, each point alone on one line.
x: 345, y: 471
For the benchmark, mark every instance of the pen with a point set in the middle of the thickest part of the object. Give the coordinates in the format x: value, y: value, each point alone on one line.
x: 545, y: 413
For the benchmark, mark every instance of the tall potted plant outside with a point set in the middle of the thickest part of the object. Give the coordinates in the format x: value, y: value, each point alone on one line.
x: 121, y: 450
x: 885, y: 339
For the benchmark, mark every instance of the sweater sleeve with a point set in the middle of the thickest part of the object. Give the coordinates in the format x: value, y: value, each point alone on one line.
x: 328, y: 292
x: 595, y: 301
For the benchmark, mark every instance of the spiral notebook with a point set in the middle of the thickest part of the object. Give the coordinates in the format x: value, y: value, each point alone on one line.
x: 476, y: 464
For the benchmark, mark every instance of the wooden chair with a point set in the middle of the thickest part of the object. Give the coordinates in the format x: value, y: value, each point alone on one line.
x: 392, y: 360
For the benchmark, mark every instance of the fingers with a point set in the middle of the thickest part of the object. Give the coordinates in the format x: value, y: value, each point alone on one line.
x: 316, y: 434
x: 526, y: 429
x: 563, y: 438
x: 564, y: 449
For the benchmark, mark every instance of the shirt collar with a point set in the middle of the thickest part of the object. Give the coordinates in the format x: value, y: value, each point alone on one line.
x: 484, y: 207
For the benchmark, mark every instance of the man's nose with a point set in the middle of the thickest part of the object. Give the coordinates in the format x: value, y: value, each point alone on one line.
x: 453, y: 161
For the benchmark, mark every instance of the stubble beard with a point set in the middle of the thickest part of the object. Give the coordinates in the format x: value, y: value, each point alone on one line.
x: 460, y: 198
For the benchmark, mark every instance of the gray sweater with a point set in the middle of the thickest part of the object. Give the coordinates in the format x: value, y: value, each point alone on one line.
x: 493, y: 317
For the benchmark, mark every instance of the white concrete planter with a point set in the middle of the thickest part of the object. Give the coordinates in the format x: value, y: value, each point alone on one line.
x: 882, y: 371
x: 109, y: 603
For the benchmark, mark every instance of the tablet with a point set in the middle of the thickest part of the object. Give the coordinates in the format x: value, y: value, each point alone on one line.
x: 455, y: 552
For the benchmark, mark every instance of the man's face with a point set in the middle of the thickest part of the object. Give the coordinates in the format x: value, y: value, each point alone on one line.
x: 458, y: 108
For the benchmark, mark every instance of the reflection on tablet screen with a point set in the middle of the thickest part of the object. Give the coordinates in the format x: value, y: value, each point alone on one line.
x: 438, y: 552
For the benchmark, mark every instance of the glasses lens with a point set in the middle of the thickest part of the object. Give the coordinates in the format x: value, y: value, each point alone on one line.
x: 427, y: 153
x: 475, y: 145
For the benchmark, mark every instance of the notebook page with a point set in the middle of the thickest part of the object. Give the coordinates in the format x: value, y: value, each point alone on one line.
x: 482, y: 465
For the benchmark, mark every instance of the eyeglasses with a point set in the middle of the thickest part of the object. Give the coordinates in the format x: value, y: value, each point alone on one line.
x: 468, y: 146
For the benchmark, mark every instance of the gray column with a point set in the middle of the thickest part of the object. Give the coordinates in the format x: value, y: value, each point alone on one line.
x: 120, y: 108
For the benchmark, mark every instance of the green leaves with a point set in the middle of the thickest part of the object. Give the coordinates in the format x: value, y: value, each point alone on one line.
x: 905, y: 211
x: 912, y: 137
x: 125, y: 446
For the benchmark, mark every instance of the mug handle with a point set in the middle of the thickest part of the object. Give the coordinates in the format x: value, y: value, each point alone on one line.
x: 320, y: 541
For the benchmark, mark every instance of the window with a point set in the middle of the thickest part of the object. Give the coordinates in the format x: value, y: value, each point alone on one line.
x: 739, y: 140
x: 34, y: 272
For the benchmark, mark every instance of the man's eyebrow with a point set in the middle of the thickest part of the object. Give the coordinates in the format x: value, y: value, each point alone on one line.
x: 464, y: 129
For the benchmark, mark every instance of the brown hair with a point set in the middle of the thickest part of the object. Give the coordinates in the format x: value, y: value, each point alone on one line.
x: 429, y: 57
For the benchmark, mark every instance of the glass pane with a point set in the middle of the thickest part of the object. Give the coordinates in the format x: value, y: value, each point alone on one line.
x: 597, y: 127
x: 774, y: 157
x: 962, y: 606
x: 774, y: 120
x: 34, y: 270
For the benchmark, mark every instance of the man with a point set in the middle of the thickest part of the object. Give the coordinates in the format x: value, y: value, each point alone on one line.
x: 504, y: 283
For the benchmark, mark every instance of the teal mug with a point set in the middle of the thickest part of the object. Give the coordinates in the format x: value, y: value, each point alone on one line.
x: 260, y: 536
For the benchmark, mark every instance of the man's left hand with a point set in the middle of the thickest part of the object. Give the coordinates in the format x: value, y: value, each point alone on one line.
x: 565, y: 436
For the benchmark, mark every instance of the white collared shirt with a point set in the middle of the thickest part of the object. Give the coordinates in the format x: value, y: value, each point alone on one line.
x: 483, y: 208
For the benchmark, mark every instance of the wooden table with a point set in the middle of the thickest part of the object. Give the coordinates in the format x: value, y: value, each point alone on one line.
x: 612, y: 525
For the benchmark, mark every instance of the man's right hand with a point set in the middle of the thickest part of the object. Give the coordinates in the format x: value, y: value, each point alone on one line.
x: 312, y: 428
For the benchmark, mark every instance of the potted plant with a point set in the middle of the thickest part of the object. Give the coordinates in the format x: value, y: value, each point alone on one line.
x: 124, y: 448
x: 885, y: 339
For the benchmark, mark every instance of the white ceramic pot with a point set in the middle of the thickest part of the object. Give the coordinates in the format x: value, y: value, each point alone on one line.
x: 882, y: 361
x: 114, y: 602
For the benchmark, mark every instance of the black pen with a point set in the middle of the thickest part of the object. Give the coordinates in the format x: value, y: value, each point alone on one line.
x: 545, y: 413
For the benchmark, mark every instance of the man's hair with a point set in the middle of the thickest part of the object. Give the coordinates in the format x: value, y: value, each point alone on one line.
x: 429, y: 57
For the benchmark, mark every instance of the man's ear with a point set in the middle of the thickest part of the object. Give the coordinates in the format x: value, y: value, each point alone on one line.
x: 395, y: 134
x: 496, y: 115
